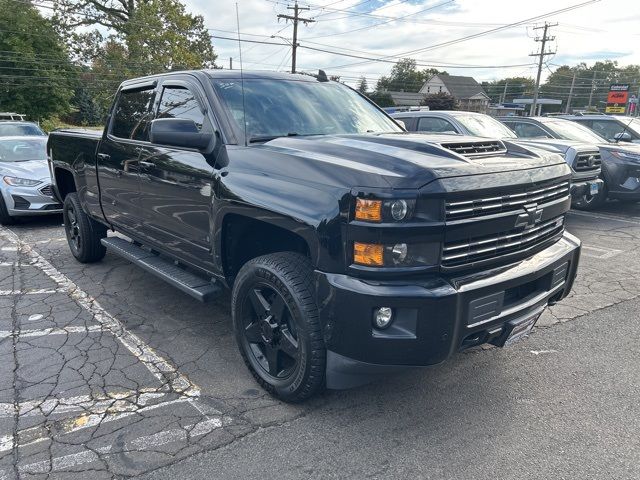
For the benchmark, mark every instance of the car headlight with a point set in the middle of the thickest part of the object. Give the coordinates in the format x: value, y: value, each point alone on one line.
x: 398, y: 255
x: 377, y: 211
x: 622, y: 155
x: 21, y: 182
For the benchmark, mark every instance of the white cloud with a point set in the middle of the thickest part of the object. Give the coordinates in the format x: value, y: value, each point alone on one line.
x: 607, y: 29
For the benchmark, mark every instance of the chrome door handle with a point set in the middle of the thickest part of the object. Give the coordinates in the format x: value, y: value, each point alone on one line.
x: 103, y: 156
x: 142, y: 163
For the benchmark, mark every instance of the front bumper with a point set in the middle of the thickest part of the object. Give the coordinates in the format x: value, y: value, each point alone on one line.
x: 434, y: 317
x: 27, y: 201
x: 582, y: 188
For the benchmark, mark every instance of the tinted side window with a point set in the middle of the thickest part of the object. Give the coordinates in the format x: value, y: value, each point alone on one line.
x: 132, y: 115
x: 178, y: 102
x: 607, y: 128
x: 528, y: 130
x: 428, y: 124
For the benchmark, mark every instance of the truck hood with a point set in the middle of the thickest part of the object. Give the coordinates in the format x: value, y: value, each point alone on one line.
x: 402, y: 160
x: 31, y: 169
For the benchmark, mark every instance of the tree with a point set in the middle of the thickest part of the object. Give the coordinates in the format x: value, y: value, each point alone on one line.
x: 517, y: 87
x: 363, y: 87
x: 405, y: 77
x: 382, y: 99
x: 439, y: 101
x: 37, y: 76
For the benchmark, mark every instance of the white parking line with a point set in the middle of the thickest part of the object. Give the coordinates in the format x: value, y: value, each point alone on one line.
x: 604, y: 216
x: 51, y: 331
x: 158, y: 366
x: 40, y: 291
x: 599, y: 252
x: 147, y: 442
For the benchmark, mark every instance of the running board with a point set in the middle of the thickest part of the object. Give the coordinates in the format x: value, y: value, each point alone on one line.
x: 198, y: 287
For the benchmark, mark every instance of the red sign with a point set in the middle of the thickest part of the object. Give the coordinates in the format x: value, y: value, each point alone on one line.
x: 618, y: 97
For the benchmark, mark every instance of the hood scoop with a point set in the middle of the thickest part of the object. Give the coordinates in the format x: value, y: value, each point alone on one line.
x: 476, y: 148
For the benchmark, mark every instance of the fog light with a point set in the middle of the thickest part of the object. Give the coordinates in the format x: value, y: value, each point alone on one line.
x: 382, y: 317
x: 399, y: 209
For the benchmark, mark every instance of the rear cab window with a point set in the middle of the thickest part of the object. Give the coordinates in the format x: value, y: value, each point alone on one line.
x: 133, y: 114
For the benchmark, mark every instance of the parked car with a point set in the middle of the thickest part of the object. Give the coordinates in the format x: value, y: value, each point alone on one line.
x: 614, y: 129
x: 13, y: 129
x: 11, y: 116
x: 26, y: 183
x: 583, y: 158
x: 620, y: 160
x: 352, y: 248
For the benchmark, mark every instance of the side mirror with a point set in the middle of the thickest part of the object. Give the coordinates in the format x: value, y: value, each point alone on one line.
x: 623, y: 137
x: 401, y: 123
x: 178, y: 132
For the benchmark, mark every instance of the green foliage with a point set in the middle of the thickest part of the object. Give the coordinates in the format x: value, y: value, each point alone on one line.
x: 382, y: 99
x: 38, y: 79
x: 405, y: 77
x: 439, y: 101
x: 517, y: 87
x: 363, y: 87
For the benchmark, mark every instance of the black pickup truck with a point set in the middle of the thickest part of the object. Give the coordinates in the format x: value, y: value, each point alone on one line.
x: 352, y: 248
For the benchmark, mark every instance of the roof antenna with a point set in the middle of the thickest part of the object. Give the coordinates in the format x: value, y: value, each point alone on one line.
x: 244, y: 110
x: 322, y: 76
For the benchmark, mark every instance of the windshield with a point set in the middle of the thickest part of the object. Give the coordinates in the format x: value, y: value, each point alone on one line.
x: 21, y: 150
x: 276, y: 108
x: 17, y: 129
x: 485, y: 126
x: 572, y: 131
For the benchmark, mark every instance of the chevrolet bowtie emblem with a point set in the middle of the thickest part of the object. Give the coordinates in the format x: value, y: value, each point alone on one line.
x: 532, y: 216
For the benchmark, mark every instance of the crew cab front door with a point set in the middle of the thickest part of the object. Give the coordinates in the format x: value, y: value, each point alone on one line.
x: 176, y: 183
x: 119, y: 152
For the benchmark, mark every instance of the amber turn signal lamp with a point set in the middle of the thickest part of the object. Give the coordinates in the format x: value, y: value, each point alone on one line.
x: 369, y: 210
x: 368, y: 254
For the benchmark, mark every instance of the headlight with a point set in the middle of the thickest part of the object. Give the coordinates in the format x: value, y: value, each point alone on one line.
x: 21, y: 182
x: 398, y: 255
x: 378, y: 211
x: 622, y: 155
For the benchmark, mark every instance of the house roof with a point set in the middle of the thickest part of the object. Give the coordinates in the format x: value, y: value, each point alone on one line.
x: 459, y: 86
x: 406, y: 99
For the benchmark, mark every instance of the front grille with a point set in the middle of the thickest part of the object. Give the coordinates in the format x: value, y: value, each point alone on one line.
x: 485, y: 247
x: 587, y: 161
x: 47, y: 190
x: 470, y: 149
x: 506, y: 203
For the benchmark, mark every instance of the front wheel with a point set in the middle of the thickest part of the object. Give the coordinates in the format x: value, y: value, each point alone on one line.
x: 83, y: 233
x: 277, y: 327
x: 5, y: 218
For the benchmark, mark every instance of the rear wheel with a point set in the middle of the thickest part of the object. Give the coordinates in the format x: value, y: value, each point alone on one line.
x: 5, y: 218
x: 83, y: 233
x: 277, y: 328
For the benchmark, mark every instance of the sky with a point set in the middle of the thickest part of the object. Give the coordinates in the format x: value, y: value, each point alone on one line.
x: 606, y: 29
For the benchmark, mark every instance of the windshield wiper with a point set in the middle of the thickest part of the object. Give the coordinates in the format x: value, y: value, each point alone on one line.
x: 267, y: 138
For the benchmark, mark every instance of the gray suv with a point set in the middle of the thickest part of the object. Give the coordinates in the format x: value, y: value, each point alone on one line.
x: 583, y: 158
x: 620, y: 159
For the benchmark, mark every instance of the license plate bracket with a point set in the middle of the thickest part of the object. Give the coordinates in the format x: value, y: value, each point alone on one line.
x: 594, y: 188
x: 517, y: 330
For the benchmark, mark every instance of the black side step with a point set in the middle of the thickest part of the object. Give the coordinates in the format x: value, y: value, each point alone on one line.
x: 198, y: 287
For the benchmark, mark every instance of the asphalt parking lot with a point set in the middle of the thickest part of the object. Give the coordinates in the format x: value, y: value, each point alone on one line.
x: 108, y: 372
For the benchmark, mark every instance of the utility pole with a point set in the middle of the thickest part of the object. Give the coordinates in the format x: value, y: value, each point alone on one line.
x: 593, y: 87
x: 573, y: 82
x: 295, y: 18
x: 544, y: 39
x: 504, y: 92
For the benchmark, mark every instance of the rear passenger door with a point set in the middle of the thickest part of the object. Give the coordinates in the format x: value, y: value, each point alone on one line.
x: 119, y: 152
x: 176, y: 183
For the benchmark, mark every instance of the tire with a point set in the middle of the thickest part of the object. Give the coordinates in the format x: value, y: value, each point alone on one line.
x: 83, y: 233
x: 5, y: 218
x: 277, y: 327
x: 589, y: 203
